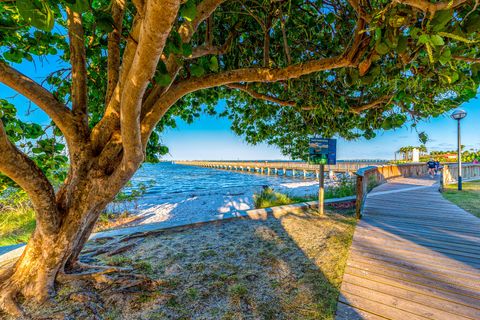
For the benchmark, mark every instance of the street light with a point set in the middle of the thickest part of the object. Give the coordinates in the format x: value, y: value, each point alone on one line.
x: 459, y: 115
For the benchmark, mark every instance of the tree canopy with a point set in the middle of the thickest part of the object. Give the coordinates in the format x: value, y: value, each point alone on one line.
x: 391, y: 62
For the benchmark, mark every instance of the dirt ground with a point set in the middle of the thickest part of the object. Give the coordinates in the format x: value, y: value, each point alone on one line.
x: 284, y: 267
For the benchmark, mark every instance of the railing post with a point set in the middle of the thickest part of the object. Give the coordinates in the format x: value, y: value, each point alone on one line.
x: 359, y: 200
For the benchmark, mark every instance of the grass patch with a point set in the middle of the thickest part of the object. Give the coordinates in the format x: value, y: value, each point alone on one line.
x: 271, y: 198
x: 285, y: 267
x: 468, y: 198
x: 16, y: 224
x: 17, y: 219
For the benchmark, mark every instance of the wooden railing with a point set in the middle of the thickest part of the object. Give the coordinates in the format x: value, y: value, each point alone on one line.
x: 372, y: 176
x: 470, y: 171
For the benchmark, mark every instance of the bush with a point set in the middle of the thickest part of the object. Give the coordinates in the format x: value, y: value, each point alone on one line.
x: 344, y: 187
x: 269, y: 198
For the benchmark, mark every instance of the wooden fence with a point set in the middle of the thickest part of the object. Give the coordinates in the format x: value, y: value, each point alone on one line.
x: 470, y: 171
x: 372, y: 176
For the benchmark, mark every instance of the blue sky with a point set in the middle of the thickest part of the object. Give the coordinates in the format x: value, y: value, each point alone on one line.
x: 210, y: 137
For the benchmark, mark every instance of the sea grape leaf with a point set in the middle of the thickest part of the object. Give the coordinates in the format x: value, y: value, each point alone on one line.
x: 381, y: 48
x: 440, y: 20
x: 437, y: 40
x: 189, y: 10
x: 37, y: 13
x: 197, y: 70
x: 213, y: 64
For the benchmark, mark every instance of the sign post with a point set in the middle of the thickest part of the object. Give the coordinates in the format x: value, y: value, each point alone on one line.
x: 322, y: 152
x: 321, y: 189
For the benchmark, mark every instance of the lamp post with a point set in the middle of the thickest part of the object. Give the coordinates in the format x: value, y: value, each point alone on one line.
x: 459, y: 115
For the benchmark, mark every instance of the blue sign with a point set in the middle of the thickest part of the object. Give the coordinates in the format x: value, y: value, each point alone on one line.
x: 323, y: 151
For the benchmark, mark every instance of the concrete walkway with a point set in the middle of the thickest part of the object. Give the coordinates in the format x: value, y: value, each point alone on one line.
x: 414, y: 256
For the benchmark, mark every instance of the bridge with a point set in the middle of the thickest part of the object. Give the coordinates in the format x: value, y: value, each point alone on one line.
x: 414, y: 255
x: 292, y: 168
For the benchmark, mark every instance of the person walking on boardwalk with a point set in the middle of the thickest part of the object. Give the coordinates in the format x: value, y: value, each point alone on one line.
x: 437, y: 166
x: 431, y: 167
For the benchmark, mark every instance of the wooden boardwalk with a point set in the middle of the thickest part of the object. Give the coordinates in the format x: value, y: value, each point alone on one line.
x: 414, y: 256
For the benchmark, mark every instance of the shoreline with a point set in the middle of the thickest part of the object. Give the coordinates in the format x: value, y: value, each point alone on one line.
x: 210, y: 203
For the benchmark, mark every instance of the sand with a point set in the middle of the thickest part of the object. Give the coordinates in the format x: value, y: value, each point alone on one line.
x: 196, y: 206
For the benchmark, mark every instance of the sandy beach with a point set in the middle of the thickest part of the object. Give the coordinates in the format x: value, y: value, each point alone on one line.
x: 197, y: 205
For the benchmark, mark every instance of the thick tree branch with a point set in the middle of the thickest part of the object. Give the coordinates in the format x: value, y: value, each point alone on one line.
x: 260, y: 96
x: 113, y: 69
x: 360, y: 10
x: 466, y: 59
x: 21, y: 169
x: 286, y: 48
x: 429, y: 7
x: 159, y: 18
x: 240, y: 75
x: 214, y: 50
x: 56, y: 110
x: 79, y: 67
x: 102, y: 132
x: 377, y: 103
x: 204, y: 10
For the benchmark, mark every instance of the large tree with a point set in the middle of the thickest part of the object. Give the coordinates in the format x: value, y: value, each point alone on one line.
x: 287, y: 69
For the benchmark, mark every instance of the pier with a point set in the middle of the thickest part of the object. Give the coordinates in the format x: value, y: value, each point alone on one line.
x: 292, y: 168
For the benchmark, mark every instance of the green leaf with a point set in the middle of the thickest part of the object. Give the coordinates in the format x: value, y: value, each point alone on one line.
x: 473, y: 23
x: 397, y: 21
x: 187, y: 49
x: 80, y: 5
x: 189, y: 10
x: 37, y: 13
x: 213, y: 64
x: 437, y: 40
x: 378, y: 34
x: 197, y: 70
x: 402, y: 44
x: 423, y: 39
x: 445, y: 57
x: 423, y: 137
x: 441, y: 19
x: 163, y: 79
x: 381, y: 48
x: 330, y: 18
x: 104, y: 21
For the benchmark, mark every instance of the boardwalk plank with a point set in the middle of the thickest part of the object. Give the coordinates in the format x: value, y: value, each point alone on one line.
x: 427, y: 300
x: 413, y: 256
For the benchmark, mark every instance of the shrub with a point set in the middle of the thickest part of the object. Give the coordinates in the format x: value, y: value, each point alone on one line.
x: 269, y: 198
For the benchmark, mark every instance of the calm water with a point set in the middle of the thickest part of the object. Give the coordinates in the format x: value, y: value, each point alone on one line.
x: 167, y: 178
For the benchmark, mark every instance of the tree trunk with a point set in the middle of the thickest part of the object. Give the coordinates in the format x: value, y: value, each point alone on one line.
x: 47, y: 254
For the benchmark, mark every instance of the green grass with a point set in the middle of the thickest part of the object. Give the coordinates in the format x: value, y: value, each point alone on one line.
x: 270, y: 198
x: 16, y: 224
x: 468, y: 198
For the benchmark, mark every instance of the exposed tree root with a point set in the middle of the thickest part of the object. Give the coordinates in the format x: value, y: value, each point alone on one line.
x: 97, y: 277
x: 80, y: 266
x: 8, y: 304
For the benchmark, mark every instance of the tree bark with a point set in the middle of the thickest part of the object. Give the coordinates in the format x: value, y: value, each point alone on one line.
x: 53, y: 251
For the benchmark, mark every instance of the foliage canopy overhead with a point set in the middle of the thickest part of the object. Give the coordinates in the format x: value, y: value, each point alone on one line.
x: 407, y: 60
